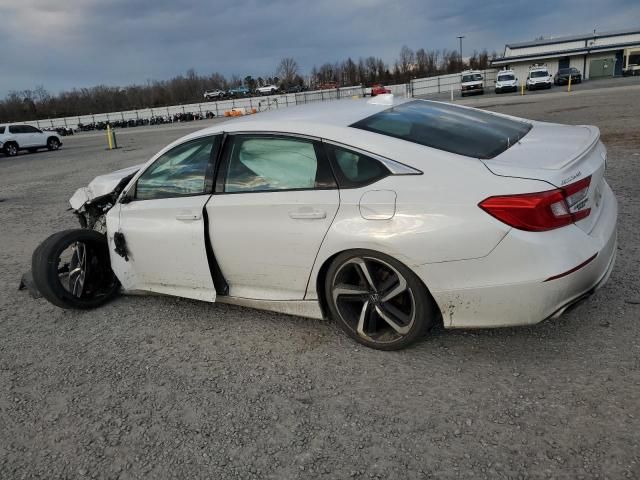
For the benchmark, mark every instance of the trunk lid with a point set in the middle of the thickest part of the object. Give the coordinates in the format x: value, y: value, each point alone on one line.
x: 559, y: 155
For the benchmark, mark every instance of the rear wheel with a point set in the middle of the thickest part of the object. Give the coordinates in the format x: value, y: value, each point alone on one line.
x: 378, y: 301
x: 53, y: 143
x: 71, y: 269
x: 11, y: 149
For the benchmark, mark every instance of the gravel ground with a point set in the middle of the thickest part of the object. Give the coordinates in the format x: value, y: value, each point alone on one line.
x: 161, y: 387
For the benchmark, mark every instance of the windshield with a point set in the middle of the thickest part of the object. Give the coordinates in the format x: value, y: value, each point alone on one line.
x: 563, y: 71
x: 539, y: 73
x: 455, y: 129
x: 506, y: 77
x: 472, y: 78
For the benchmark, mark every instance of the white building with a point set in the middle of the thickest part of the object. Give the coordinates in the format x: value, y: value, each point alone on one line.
x: 597, y: 54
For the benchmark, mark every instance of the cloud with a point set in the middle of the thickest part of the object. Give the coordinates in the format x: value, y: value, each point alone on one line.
x: 76, y: 43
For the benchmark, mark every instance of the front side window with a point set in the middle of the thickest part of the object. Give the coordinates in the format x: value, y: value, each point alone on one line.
x: 475, y: 77
x: 182, y: 171
x: 1, y: 130
x: 30, y: 129
x: 539, y: 73
x: 354, y: 169
x: 271, y: 163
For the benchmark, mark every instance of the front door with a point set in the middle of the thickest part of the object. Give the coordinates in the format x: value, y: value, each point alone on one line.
x: 275, y: 200
x: 163, y: 227
x: 22, y: 135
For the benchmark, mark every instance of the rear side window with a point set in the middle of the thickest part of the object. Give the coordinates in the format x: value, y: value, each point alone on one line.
x: 354, y: 169
x: 464, y: 131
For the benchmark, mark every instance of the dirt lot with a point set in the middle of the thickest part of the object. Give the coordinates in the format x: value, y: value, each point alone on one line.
x: 162, y: 387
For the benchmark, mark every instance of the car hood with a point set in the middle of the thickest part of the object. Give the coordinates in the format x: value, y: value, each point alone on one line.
x: 101, y: 185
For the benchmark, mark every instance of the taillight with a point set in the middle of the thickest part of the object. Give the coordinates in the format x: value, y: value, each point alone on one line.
x: 541, y: 211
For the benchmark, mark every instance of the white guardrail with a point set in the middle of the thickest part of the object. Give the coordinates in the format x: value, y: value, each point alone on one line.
x: 417, y: 87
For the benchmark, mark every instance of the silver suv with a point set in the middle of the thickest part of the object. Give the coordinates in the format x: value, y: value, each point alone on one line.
x: 14, y: 138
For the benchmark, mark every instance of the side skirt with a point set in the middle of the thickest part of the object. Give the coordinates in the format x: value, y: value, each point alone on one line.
x: 300, y: 308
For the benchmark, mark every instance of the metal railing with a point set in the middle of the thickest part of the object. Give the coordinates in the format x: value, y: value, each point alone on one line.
x: 143, y: 116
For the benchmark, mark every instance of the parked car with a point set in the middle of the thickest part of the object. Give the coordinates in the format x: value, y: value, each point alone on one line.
x: 267, y: 90
x: 296, y: 89
x: 471, y: 83
x: 356, y: 212
x: 239, y: 92
x: 538, y: 77
x: 562, y: 76
x: 506, y: 81
x: 16, y: 137
x: 631, y: 70
x: 214, y: 94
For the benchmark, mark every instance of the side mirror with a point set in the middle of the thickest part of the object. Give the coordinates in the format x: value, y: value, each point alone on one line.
x: 127, y: 196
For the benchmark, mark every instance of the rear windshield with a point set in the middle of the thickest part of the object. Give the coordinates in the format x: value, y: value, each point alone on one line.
x: 504, y: 78
x: 469, y: 132
x: 471, y: 78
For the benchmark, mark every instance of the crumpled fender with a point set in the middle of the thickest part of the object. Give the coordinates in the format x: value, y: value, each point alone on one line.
x: 100, y: 186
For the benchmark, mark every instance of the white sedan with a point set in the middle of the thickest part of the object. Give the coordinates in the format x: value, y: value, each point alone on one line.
x: 386, y: 215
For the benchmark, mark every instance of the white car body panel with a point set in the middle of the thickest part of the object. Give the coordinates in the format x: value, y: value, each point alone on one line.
x: 480, y: 271
x: 101, y: 185
x: 285, y: 232
x: 165, y: 238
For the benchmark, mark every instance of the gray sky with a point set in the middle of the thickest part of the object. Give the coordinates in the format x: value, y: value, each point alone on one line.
x: 62, y: 44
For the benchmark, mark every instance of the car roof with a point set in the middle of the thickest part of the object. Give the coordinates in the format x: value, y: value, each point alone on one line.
x: 336, y: 113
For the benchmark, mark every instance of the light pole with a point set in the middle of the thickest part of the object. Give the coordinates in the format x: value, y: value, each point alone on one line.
x: 460, y: 37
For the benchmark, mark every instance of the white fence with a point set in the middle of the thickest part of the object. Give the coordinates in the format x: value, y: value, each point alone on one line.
x: 417, y: 87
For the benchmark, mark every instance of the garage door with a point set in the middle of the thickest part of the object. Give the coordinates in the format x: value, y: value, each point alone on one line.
x: 603, y: 67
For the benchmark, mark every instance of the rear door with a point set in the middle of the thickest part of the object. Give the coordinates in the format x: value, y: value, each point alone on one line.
x: 21, y: 135
x: 163, y: 225
x: 275, y: 200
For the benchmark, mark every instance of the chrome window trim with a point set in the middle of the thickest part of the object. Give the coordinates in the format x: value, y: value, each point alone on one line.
x: 395, y: 167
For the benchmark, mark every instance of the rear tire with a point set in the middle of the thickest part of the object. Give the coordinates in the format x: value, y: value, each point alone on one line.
x: 378, y: 301
x: 86, y: 280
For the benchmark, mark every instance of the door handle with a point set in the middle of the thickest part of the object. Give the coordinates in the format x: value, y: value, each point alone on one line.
x: 188, y: 216
x: 308, y: 214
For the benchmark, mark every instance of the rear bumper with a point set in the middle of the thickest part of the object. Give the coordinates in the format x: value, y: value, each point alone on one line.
x: 508, y: 287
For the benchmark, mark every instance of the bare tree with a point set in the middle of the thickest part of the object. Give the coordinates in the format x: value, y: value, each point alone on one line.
x: 287, y: 71
x: 406, y: 60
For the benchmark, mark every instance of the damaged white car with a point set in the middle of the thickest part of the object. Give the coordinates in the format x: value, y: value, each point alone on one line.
x: 387, y: 216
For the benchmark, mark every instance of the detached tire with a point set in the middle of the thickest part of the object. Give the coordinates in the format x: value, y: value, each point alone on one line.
x: 71, y: 269
x: 378, y: 301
